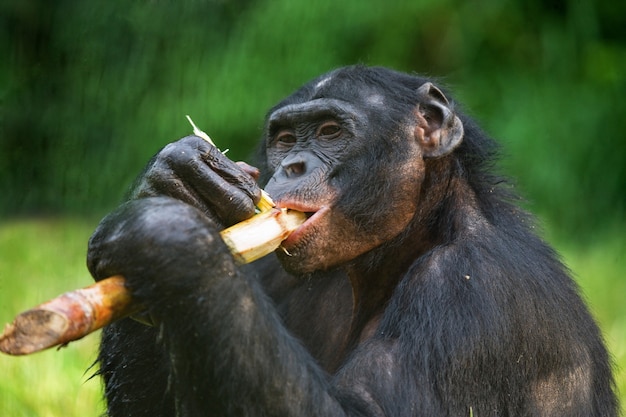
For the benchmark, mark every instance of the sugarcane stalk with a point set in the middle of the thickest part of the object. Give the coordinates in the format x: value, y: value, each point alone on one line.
x: 67, y: 317
x: 77, y: 313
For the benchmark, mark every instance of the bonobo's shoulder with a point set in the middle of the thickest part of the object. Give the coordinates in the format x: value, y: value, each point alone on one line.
x: 498, y: 257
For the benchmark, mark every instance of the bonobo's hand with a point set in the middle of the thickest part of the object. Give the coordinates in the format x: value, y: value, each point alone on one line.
x: 164, y: 248
x: 193, y: 171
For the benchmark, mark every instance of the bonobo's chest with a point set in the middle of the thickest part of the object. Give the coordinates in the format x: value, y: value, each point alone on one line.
x: 319, y: 312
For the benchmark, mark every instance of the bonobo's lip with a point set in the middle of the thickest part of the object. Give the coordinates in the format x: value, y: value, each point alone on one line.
x: 314, y: 215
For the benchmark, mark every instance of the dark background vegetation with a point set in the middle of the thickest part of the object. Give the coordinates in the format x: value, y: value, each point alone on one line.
x: 89, y: 90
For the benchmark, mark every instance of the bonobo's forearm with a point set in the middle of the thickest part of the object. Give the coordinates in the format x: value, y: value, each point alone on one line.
x: 135, y: 369
x: 217, y: 326
x: 233, y: 334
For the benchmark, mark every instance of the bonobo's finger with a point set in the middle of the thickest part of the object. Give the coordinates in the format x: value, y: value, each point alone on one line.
x: 220, y: 183
x: 228, y: 202
x: 197, y: 173
x: 249, y: 169
x: 161, y: 181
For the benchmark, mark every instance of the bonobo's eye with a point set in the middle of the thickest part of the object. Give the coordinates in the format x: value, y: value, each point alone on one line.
x: 285, y: 138
x: 329, y: 130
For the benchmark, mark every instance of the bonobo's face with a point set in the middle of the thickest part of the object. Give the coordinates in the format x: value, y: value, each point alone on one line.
x: 350, y: 155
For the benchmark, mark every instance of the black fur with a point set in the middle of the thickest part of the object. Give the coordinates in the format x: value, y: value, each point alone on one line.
x: 464, y: 312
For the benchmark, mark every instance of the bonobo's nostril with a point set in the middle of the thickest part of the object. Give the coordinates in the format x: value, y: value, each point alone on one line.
x: 294, y: 169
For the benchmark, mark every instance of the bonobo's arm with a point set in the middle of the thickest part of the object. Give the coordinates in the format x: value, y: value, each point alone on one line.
x: 133, y: 362
x: 228, y: 351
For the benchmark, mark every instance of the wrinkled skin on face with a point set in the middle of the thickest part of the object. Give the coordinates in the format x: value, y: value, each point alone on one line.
x: 325, y: 150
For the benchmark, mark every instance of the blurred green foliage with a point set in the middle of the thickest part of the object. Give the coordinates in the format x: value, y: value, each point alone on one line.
x: 90, y: 90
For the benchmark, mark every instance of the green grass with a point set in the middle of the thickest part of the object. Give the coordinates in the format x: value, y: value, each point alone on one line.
x: 40, y: 259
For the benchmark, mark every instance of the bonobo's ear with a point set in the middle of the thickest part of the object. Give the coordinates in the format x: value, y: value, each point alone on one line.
x: 438, y: 130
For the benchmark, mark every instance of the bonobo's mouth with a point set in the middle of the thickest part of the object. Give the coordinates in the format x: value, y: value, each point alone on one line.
x: 313, y: 215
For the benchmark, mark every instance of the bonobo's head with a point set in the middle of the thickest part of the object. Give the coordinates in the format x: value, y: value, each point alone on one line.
x: 349, y: 148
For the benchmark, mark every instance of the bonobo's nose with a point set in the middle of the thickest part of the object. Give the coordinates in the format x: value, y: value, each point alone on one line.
x: 299, y: 164
x: 294, y: 171
x: 293, y: 166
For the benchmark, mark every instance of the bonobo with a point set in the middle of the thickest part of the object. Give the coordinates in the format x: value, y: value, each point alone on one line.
x: 415, y: 287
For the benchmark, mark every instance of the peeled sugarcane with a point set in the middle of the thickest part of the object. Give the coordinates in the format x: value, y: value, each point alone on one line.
x: 77, y: 313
